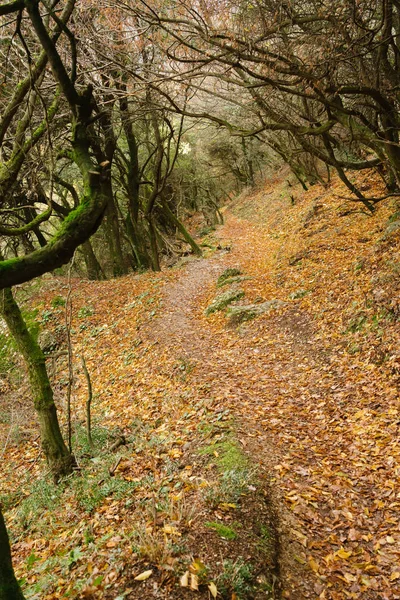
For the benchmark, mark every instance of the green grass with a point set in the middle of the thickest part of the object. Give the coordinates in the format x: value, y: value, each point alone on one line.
x: 234, y: 469
x: 224, y: 531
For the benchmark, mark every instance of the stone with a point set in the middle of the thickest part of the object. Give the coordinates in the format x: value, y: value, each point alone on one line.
x: 47, y: 341
x: 223, y: 300
x: 240, y: 314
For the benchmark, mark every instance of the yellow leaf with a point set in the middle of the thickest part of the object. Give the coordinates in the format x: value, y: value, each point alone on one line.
x: 143, y: 576
x: 184, y: 580
x: 390, y: 540
x: 227, y: 505
x: 171, y: 530
x: 194, y: 582
x: 342, y: 553
x: 213, y: 589
x: 313, y: 565
x: 394, y: 576
x: 197, y: 566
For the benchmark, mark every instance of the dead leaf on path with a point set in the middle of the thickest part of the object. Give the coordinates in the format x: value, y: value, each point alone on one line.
x: 194, y: 582
x: 143, y: 576
x: 184, y: 580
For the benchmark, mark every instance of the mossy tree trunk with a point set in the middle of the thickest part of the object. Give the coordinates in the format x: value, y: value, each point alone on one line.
x: 155, y: 258
x: 113, y: 234
x: 93, y: 267
x: 181, y: 228
x: 9, y: 588
x: 58, y: 457
x: 135, y: 231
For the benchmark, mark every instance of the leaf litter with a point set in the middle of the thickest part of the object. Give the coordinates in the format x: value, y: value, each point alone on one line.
x: 309, y: 391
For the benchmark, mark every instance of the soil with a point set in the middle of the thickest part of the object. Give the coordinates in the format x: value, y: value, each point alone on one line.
x: 184, y: 332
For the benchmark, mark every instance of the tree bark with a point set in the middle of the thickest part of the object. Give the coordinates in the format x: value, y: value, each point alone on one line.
x: 181, y: 228
x: 155, y: 259
x: 93, y: 267
x: 113, y: 235
x: 9, y: 588
x: 58, y: 457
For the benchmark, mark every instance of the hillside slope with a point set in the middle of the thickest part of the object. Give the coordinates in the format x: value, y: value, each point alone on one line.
x: 306, y: 394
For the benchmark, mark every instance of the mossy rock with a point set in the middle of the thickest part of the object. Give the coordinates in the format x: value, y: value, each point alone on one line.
x: 227, y: 274
x: 233, y: 280
x: 240, y: 314
x: 298, y: 294
x: 223, y: 300
x: 391, y: 229
x: 47, y: 341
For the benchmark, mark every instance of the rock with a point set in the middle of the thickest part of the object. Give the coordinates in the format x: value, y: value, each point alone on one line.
x: 240, y: 314
x: 233, y: 280
x: 298, y: 294
x: 227, y: 274
x: 391, y: 229
x: 223, y: 300
x: 47, y: 341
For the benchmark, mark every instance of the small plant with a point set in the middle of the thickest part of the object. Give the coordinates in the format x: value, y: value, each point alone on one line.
x: 205, y: 231
x: 236, y: 578
x: 43, y: 493
x: 58, y: 301
x: 356, y: 323
x: 153, y: 546
x: 85, y: 311
x: 184, y: 366
x: 224, y: 531
x: 47, y: 315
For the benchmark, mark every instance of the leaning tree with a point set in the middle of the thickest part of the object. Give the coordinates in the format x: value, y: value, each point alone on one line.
x: 41, y: 91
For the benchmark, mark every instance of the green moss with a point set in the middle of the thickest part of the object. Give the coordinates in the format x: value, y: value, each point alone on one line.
x: 224, y: 531
x: 227, y: 274
x: 223, y: 300
x: 233, y: 280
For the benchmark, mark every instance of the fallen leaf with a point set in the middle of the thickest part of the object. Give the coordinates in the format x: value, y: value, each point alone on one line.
x: 171, y: 530
x: 143, y: 576
x: 194, y: 582
x: 342, y: 553
x: 213, y: 589
x: 184, y: 580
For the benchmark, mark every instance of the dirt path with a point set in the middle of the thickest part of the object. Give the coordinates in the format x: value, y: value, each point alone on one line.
x: 306, y: 414
x: 242, y: 375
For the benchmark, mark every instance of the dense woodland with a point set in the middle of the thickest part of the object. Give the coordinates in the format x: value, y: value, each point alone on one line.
x: 124, y: 124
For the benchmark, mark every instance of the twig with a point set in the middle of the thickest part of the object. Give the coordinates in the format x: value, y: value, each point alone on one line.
x: 9, y: 434
x: 88, y: 403
x: 121, y: 441
x: 115, y: 467
x: 68, y: 320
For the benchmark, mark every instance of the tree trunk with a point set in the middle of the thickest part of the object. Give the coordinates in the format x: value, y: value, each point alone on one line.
x: 93, y: 267
x: 155, y: 260
x: 137, y: 242
x: 181, y: 228
x: 114, y: 238
x: 58, y: 457
x: 9, y: 588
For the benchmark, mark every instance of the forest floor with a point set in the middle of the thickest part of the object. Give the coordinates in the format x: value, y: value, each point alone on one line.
x: 261, y: 459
